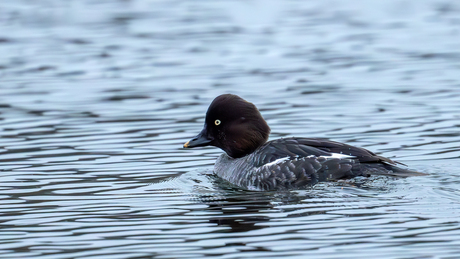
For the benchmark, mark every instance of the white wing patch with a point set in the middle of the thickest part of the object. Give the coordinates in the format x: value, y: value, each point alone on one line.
x: 277, y: 161
x: 283, y: 159
x: 339, y: 156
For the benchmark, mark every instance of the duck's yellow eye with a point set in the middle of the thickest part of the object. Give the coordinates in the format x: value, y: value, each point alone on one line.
x: 217, y: 122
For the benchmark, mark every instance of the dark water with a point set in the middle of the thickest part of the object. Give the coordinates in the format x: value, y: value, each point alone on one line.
x: 97, y: 98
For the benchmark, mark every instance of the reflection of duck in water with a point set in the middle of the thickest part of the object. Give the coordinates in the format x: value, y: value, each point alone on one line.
x: 243, y: 211
x: 237, y: 127
x: 240, y: 214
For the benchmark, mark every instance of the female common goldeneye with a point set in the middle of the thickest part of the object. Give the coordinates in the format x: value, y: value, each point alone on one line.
x: 237, y: 127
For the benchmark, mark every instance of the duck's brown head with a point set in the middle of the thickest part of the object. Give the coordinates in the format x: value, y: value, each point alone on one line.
x: 234, y: 125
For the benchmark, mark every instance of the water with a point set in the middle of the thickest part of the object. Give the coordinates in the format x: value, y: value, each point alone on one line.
x: 97, y: 98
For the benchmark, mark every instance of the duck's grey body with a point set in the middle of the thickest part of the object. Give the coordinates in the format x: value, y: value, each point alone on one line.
x: 291, y: 163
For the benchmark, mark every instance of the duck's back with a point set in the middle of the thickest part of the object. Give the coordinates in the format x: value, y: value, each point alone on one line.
x: 293, y: 163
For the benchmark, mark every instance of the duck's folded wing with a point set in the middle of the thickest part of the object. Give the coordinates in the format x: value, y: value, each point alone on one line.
x: 295, y: 162
x: 304, y: 147
x: 362, y: 154
x: 288, y: 173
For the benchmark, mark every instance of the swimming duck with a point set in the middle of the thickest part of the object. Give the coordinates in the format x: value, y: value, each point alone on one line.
x: 250, y: 162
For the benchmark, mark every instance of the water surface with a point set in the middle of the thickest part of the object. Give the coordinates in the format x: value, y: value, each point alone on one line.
x: 98, y: 97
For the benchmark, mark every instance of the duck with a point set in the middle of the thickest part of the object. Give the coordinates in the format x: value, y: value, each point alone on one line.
x: 252, y: 163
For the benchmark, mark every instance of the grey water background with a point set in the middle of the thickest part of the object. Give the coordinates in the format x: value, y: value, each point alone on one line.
x: 97, y: 98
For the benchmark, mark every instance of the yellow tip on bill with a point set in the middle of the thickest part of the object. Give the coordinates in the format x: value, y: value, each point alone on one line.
x: 186, y: 144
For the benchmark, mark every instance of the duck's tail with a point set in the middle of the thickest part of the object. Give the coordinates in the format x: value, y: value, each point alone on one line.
x: 387, y: 169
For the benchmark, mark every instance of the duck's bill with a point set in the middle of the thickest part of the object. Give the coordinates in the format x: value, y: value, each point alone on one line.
x: 200, y: 140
